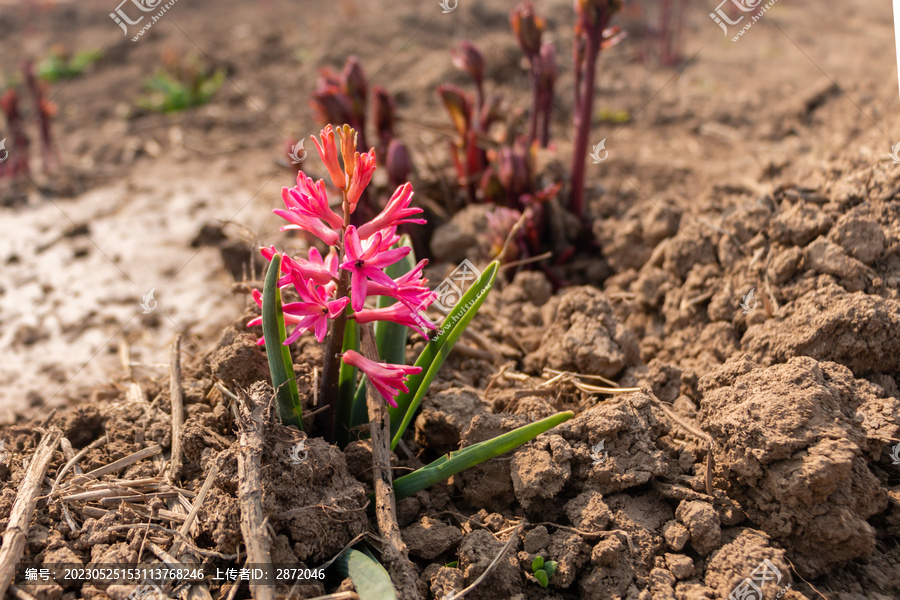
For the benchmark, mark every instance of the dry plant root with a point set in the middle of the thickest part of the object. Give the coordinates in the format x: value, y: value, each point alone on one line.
x: 252, y: 428
x: 23, y: 509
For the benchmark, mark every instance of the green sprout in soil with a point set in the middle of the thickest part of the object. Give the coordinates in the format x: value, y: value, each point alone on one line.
x: 542, y: 570
x: 181, y: 84
x: 61, y: 63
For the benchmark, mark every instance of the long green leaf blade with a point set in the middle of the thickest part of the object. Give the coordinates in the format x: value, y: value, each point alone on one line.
x: 460, y: 460
x: 370, y: 579
x: 279, y: 355
x: 437, y: 350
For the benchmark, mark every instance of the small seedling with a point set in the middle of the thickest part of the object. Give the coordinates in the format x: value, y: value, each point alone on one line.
x: 181, y: 84
x: 61, y: 63
x: 542, y: 570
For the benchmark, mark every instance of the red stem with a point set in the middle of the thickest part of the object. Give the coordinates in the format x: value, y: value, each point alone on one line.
x: 583, y: 122
x: 579, y: 65
x: 479, y: 90
x: 535, y: 104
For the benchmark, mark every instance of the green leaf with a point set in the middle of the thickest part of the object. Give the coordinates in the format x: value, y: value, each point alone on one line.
x: 370, y: 579
x: 346, y: 386
x: 542, y: 578
x: 537, y: 563
x: 279, y: 355
x: 437, y: 350
x: 452, y: 565
x: 550, y: 567
x: 460, y: 460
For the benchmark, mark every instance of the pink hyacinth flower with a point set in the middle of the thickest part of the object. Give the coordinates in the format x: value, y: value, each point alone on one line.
x: 268, y: 253
x: 389, y: 237
x: 313, y: 312
x: 399, y: 313
x: 309, y: 198
x: 388, y: 379
x: 362, y: 175
x: 303, y: 322
x: 395, y: 213
x: 319, y: 270
x: 366, y: 264
x: 328, y: 152
x: 309, y: 224
x: 316, y: 269
x: 409, y: 288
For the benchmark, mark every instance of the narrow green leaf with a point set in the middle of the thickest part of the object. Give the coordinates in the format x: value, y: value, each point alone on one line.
x: 346, y: 386
x: 279, y: 355
x: 537, y: 563
x: 460, y: 460
x: 359, y: 413
x: 370, y: 579
x: 437, y: 350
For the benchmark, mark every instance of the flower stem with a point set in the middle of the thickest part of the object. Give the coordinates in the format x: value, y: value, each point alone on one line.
x: 331, y: 370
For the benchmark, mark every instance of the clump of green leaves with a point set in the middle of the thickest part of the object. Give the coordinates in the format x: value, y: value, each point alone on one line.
x: 61, y: 63
x: 182, y: 83
x: 543, y: 570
